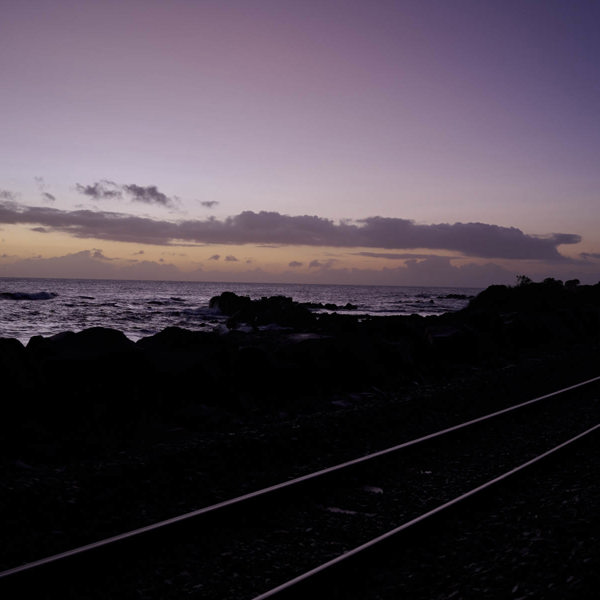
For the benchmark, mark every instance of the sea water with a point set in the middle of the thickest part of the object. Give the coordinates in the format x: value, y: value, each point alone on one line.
x: 30, y: 307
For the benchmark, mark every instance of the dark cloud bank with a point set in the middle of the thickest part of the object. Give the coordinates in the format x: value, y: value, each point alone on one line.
x: 470, y: 239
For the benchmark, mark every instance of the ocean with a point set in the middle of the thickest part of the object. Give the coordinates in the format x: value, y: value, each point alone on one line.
x: 30, y: 307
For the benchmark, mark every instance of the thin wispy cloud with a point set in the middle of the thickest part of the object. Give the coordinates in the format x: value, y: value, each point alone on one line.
x: 8, y: 195
x: 470, y: 239
x: 41, y: 184
x: 392, y: 255
x: 209, y: 203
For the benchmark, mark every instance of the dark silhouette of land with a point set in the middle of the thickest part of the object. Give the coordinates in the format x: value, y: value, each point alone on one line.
x: 100, y: 434
x: 79, y: 393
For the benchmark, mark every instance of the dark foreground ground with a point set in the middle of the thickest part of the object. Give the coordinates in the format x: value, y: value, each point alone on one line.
x: 100, y: 434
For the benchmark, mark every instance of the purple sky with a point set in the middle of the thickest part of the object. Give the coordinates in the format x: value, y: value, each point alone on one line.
x: 401, y: 142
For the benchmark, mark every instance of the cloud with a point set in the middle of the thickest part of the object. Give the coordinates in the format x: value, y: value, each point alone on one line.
x: 209, y: 203
x: 391, y: 256
x: 439, y: 271
x: 147, y: 195
x: 295, y: 264
x: 100, y: 190
x: 215, y: 257
x: 46, y: 196
x: 99, y: 255
x: 106, y: 189
x: 588, y: 255
x: 317, y: 264
x: 231, y: 258
x: 470, y: 239
x: 92, y: 264
x: 433, y: 271
x: 6, y: 195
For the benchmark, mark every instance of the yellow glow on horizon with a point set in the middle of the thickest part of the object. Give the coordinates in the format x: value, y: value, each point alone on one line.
x: 19, y: 242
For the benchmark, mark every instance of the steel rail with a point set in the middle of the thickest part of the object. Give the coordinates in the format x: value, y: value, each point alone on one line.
x: 75, y: 552
x: 304, y: 577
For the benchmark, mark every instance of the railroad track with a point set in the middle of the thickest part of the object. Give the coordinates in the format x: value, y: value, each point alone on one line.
x: 244, y: 546
x: 334, y: 578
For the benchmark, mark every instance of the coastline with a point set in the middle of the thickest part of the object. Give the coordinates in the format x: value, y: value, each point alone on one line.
x: 273, y: 358
x: 95, y: 422
x: 30, y: 307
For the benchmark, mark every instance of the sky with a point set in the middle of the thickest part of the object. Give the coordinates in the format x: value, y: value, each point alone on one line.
x: 426, y: 142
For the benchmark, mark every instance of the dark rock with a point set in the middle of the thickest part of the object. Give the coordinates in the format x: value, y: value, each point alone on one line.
x: 336, y: 324
x: 86, y: 344
x: 329, y: 306
x: 185, y: 368
x: 492, y: 298
x: 229, y: 303
x: 85, y: 380
x: 176, y: 338
x: 10, y: 348
x: 14, y: 369
x: 279, y: 310
x: 452, y: 342
x: 456, y: 297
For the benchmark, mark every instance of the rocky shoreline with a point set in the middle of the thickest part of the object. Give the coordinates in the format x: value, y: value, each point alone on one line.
x: 95, y: 424
x: 75, y: 394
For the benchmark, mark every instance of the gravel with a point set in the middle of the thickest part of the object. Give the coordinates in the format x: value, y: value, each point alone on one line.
x: 49, y: 507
